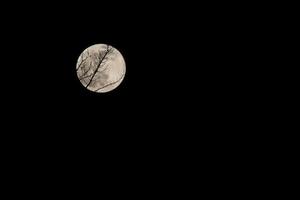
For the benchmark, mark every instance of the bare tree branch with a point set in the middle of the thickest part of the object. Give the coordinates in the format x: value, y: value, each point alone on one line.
x: 83, y: 77
x: 101, y: 59
x: 83, y: 59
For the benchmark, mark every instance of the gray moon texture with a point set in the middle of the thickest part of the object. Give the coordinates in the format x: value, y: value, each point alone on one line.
x: 100, y: 68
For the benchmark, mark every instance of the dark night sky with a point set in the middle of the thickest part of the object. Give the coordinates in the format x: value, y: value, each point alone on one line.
x: 181, y: 66
x: 192, y: 112
x: 193, y: 92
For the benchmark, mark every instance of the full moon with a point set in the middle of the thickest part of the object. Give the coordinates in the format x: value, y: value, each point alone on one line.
x: 100, y: 68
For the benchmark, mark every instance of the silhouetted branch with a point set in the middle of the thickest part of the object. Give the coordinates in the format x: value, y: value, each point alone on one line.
x: 83, y: 59
x: 102, y: 57
x: 83, y: 77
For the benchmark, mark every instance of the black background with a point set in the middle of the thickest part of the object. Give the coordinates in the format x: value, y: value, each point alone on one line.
x: 194, y: 81
x: 192, y: 103
x: 188, y: 67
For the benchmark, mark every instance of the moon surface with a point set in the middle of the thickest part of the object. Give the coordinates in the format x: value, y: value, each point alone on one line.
x: 100, y: 68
